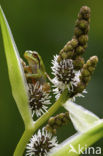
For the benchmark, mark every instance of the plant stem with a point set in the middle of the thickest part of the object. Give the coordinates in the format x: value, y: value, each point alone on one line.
x: 83, y: 140
x: 22, y: 143
x: 31, y: 130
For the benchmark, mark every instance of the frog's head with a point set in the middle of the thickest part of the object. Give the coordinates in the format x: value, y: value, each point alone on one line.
x: 32, y: 57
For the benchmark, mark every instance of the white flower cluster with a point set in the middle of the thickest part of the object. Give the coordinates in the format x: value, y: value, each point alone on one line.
x: 38, y: 99
x: 41, y: 143
x: 65, y: 76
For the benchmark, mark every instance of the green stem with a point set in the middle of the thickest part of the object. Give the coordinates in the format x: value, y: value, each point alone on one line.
x: 81, y: 140
x: 22, y: 143
x: 52, y: 109
x: 31, y: 130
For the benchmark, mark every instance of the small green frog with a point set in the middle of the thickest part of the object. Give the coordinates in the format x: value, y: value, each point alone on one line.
x: 36, y: 68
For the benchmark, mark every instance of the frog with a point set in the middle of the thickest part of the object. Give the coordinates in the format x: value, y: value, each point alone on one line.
x: 35, y: 70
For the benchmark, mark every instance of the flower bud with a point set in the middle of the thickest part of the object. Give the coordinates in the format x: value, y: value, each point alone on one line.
x: 51, y: 121
x: 57, y: 121
x: 80, y: 50
x: 74, y: 42
x: 77, y: 32
x: 64, y: 55
x: 59, y: 59
x: 84, y: 13
x: 78, y: 63
x: 48, y: 128
x: 82, y: 24
x: 83, y: 39
x: 86, y: 74
x: 68, y: 47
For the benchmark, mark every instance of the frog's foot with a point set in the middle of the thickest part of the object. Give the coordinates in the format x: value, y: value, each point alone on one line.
x: 22, y: 62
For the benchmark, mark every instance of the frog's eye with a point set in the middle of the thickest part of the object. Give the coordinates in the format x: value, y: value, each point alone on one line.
x: 35, y: 55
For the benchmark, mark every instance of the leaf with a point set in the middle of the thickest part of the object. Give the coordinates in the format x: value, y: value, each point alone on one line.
x: 82, y: 118
x: 16, y: 74
x: 79, y: 142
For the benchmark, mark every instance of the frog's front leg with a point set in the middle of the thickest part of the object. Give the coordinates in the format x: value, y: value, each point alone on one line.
x: 27, y: 69
x: 35, y: 76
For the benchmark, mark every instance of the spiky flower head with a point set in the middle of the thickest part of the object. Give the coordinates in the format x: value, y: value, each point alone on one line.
x: 65, y: 75
x: 41, y: 143
x: 39, y: 98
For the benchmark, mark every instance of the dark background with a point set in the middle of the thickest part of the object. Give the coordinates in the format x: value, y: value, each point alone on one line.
x: 45, y: 26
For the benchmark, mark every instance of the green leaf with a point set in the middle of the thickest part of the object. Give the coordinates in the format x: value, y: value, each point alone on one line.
x: 82, y: 118
x: 16, y: 74
x: 79, y: 141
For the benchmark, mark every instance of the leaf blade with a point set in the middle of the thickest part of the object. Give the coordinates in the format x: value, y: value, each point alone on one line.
x: 79, y: 141
x: 82, y: 118
x: 16, y: 74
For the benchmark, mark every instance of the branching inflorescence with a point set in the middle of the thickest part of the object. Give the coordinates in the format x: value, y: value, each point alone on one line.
x: 69, y: 67
x: 70, y: 71
x: 32, y: 95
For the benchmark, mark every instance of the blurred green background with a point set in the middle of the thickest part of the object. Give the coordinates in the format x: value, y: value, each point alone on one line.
x: 45, y: 26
